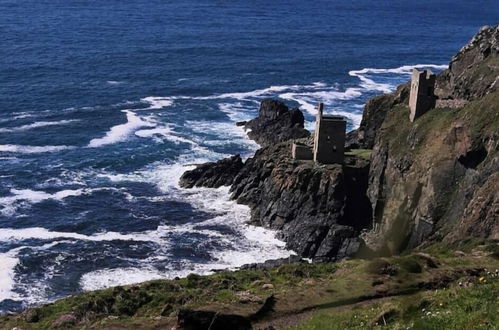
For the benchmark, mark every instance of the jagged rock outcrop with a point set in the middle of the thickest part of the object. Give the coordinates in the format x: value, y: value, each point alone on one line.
x: 373, y: 116
x: 474, y: 71
x: 214, y: 174
x: 436, y: 178
x: 318, y: 210
x: 276, y: 123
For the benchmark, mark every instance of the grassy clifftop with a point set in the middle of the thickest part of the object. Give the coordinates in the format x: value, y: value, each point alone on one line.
x: 399, y: 291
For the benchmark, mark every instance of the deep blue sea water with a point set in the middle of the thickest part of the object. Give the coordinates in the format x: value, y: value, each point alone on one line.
x: 105, y: 103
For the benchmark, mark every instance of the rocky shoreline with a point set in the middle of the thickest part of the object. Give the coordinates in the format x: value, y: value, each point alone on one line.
x: 314, y: 207
x: 425, y: 181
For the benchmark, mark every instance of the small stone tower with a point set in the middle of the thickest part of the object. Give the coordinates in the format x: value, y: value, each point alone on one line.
x: 422, y: 97
x: 329, y: 138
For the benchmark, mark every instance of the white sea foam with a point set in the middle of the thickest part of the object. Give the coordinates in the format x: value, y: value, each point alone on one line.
x: 157, y: 102
x: 237, y: 111
x: 120, y: 133
x: 23, y: 149
x: 309, y: 100
x: 15, y: 235
x: 22, y: 115
x: 225, y: 132
x: 37, y: 125
x: 114, y: 82
x: 105, y: 278
x: 405, y: 69
x: 8, y: 262
x: 370, y: 84
x: 165, y: 132
x: 66, y: 178
x: 272, y: 90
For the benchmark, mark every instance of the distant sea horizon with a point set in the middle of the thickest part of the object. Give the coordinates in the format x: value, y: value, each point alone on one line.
x: 106, y: 103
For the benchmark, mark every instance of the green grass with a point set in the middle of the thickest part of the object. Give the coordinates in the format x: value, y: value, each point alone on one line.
x: 362, y: 153
x: 159, y: 298
x: 474, y: 307
x: 299, y: 288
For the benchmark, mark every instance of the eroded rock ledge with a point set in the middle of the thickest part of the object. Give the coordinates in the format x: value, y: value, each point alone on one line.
x: 212, y: 175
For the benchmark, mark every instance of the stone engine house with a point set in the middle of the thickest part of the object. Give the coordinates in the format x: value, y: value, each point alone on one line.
x: 422, y: 97
x: 329, y: 140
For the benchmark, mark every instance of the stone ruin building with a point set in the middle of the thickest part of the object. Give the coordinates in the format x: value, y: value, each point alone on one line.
x: 422, y: 97
x: 329, y: 140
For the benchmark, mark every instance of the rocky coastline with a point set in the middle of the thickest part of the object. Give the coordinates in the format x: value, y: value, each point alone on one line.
x: 423, y: 182
x: 429, y: 188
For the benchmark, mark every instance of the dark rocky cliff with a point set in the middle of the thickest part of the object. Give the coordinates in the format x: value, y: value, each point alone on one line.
x: 473, y: 71
x: 434, y: 179
x: 319, y: 210
x: 213, y: 175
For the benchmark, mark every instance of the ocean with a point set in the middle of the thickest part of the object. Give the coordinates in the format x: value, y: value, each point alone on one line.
x: 104, y: 104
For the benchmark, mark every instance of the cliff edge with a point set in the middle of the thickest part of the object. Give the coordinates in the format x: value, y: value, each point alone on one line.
x: 437, y: 178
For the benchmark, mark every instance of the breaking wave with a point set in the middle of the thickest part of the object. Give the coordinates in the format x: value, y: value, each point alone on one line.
x: 22, y: 149
x: 37, y: 125
x: 120, y: 133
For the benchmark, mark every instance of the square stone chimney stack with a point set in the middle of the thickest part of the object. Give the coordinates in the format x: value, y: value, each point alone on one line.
x: 422, y: 97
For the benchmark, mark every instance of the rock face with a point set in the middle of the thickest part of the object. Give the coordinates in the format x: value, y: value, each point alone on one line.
x: 474, y: 71
x: 318, y: 210
x: 212, y: 175
x: 374, y: 114
x: 276, y: 123
x: 436, y: 179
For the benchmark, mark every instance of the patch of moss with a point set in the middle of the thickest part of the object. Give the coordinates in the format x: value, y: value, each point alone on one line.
x: 410, y: 264
x: 362, y: 153
x: 381, y: 266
